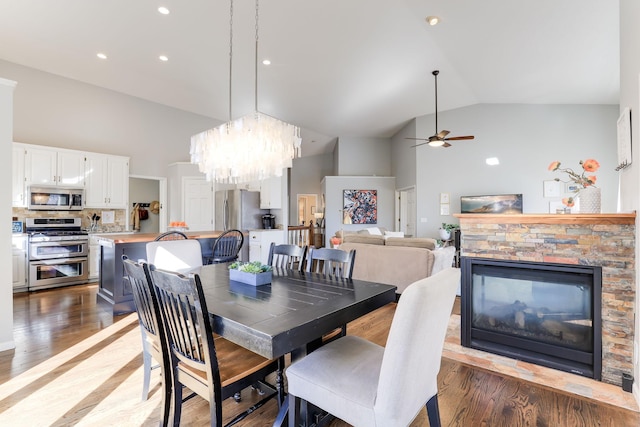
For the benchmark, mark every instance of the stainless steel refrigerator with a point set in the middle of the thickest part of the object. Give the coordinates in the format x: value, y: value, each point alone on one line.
x: 239, y: 210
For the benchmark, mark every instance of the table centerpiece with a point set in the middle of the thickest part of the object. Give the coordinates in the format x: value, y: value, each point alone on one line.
x: 252, y: 273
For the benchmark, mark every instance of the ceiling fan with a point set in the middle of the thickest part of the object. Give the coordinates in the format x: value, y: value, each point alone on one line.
x: 440, y: 138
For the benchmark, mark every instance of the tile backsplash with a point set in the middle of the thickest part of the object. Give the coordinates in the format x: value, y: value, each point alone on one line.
x: 119, y: 217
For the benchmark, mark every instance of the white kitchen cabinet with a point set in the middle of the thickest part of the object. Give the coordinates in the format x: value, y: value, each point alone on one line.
x: 19, y: 262
x: 271, y: 193
x: 50, y: 166
x: 107, y: 181
x: 94, y: 258
x: 18, y: 182
x: 260, y: 242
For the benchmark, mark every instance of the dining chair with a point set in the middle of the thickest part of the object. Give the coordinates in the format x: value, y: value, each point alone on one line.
x: 154, y: 344
x: 365, y: 384
x: 332, y: 262
x: 212, y: 367
x: 171, y: 235
x: 287, y: 256
x: 226, y: 247
x: 175, y: 255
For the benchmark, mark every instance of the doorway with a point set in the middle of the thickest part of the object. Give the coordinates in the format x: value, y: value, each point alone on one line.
x: 146, y: 190
x: 307, y: 208
x: 406, y: 211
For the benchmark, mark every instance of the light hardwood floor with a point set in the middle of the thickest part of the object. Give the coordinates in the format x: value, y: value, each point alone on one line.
x: 76, y: 365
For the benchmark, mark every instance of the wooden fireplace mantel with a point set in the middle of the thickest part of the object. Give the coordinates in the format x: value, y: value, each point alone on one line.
x: 606, y: 218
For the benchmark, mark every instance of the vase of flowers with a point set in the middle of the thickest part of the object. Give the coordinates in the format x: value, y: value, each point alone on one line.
x: 584, y: 184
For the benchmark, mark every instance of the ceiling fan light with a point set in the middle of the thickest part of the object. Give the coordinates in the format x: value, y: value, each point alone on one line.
x: 436, y: 143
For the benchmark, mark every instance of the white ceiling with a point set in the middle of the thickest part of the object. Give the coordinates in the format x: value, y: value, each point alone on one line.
x: 349, y: 68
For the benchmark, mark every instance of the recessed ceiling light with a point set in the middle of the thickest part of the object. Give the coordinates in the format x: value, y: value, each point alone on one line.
x: 492, y: 161
x: 163, y: 10
x: 266, y: 62
x: 163, y: 58
x: 433, y: 20
x: 101, y: 55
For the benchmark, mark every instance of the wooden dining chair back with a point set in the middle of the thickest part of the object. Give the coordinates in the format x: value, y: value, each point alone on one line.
x: 175, y: 255
x: 285, y: 256
x: 171, y: 235
x: 334, y: 263
x: 365, y: 384
x: 213, y: 368
x: 331, y: 262
x: 154, y: 344
x: 226, y: 248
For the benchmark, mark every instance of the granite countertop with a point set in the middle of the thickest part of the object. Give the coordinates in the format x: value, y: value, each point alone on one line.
x: 117, y: 238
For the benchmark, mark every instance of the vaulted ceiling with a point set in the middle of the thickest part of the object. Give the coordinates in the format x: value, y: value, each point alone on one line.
x: 357, y: 68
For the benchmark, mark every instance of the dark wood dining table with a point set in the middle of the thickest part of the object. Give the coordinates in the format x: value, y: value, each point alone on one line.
x: 290, y: 313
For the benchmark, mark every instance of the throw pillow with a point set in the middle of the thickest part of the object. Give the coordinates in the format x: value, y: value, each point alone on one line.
x: 388, y: 234
x: 374, y: 231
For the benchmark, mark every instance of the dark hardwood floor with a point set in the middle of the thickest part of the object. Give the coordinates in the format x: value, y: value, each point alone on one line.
x: 49, y: 323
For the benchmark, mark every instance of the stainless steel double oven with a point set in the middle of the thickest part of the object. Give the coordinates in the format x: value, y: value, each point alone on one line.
x: 58, y: 252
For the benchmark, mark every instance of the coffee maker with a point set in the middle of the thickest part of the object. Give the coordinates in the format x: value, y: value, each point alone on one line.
x: 268, y: 221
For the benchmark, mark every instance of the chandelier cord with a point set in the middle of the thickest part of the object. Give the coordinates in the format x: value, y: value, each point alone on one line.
x: 230, y: 55
x: 255, y: 106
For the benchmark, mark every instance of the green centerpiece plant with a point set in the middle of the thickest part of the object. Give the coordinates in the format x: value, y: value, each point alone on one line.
x: 252, y: 273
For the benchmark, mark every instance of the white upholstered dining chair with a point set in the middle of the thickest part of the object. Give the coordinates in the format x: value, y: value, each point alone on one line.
x: 368, y: 385
x: 175, y: 255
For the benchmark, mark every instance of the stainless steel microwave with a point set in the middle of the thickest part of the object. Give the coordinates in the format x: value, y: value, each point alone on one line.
x: 56, y: 198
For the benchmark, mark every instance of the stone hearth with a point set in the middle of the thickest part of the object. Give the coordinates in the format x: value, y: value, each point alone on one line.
x: 606, y: 240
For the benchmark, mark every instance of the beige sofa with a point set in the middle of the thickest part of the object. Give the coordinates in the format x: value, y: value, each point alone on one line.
x: 395, y: 260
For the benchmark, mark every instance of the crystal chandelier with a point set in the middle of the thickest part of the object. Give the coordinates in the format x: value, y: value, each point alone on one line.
x: 253, y: 147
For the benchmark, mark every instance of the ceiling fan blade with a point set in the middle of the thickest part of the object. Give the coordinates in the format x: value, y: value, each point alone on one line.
x: 419, y: 139
x: 442, y: 134
x: 446, y: 144
x: 459, y: 138
x: 418, y: 145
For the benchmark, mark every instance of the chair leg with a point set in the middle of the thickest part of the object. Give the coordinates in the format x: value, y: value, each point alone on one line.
x: 176, y: 399
x: 433, y: 411
x: 146, y: 362
x: 294, y: 410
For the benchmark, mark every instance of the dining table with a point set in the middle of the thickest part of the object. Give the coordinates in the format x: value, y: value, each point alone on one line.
x: 289, y: 315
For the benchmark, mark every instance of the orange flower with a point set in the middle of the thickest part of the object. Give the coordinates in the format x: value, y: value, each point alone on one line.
x: 590, y: 165
x: 580, y: 179
x: 568, y: 201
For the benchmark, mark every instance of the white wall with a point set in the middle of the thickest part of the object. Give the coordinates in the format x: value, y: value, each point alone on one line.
x: 333, y: 187
x: 364, y: 156
x: 60, y: 112
x: 403, y: 156
x: 629, y: 178
x: 6, y: 284
x: 526, y: 139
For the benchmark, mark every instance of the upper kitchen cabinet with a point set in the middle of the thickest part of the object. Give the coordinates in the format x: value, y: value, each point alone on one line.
x: 107, y: 181
x: 18, y: 183
x: 50, y: 166
x: 271, y: 193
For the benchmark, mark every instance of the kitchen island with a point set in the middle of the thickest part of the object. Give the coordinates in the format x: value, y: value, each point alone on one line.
x: 113, y: 290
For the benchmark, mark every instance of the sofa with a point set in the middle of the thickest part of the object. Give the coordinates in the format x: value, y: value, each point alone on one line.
x: 393, y: 260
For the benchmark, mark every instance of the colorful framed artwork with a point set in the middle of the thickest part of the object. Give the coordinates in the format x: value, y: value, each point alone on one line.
x: 360, y: 207
x: 492, y: 204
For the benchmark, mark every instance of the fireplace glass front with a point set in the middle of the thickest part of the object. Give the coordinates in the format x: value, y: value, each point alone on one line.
x: 547, y: 314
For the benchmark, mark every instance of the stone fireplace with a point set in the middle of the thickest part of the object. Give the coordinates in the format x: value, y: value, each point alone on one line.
x: 605, y: 241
